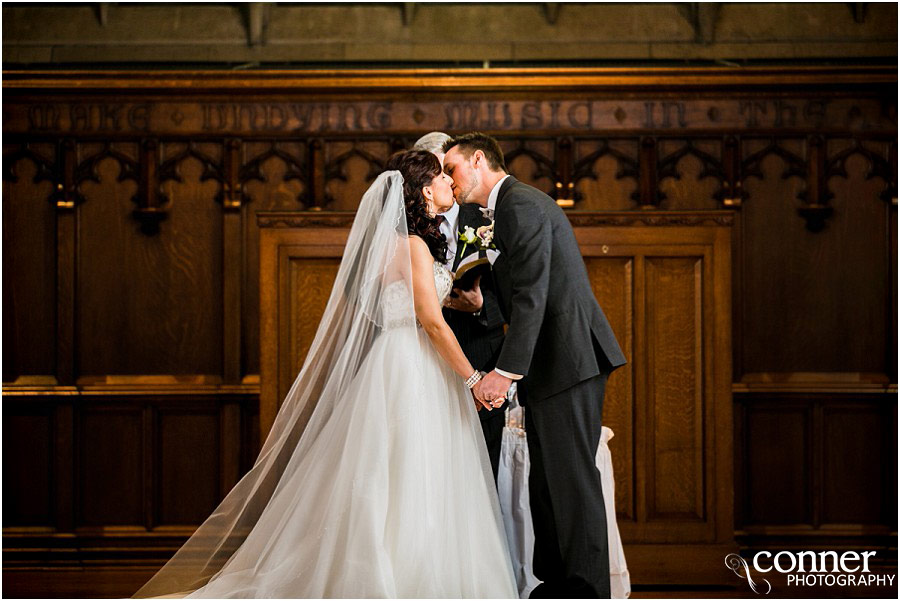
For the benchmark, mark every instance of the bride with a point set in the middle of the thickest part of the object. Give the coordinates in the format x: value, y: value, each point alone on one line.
x: 374, y: 480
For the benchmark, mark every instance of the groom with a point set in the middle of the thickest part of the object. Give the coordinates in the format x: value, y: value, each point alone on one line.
x: 561, y: 347
x: 473, y: 315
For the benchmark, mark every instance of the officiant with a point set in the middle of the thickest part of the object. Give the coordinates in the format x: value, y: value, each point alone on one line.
x: 472, y: 310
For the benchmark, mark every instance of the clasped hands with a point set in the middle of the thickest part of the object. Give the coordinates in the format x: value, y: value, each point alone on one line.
x: 490, y: 392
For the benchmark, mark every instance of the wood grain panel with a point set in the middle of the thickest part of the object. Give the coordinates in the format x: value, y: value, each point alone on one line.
x: 855, y: 281
x: 778, y: 464
x: 606, y: 175
x: 690, y: 174
x: 276, y: 191
x: 310, y: 283
x: 292, y: 297
x: 829, y: 287
x: 29, y: 267
x: 189, y: 461
x: 350, y: 168
x: 612, y: 283
x: 166, y: 314
x: 673, y: 315
x: 109, y: 469
x: 28, y: 471
x: 855, y: 450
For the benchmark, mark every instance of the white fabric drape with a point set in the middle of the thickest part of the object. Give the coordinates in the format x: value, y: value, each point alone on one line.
x: 512, y: 483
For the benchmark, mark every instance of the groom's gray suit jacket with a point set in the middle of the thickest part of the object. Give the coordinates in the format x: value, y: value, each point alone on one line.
x: 558, y: 335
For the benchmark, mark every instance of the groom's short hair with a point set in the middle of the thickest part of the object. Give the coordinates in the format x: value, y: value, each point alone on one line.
x: 469, y: 143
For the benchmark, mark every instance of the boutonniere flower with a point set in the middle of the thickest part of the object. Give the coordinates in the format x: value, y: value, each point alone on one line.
x: 485, y: 235
x: 482, y: 238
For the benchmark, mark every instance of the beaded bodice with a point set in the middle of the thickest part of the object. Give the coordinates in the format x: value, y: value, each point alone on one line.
x: 397, y: 303
x: 443, y: 281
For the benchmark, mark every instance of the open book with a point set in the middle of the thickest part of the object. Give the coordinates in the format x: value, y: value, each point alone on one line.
x: 468, y: 272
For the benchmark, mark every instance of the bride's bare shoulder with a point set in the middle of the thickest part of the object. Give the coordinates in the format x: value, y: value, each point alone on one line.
x: 417, y: 245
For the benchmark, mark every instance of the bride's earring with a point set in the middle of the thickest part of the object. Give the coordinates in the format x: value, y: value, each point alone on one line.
x: 429, y: 207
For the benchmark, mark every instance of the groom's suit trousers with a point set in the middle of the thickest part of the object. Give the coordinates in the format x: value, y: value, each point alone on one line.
x: 571, y: 547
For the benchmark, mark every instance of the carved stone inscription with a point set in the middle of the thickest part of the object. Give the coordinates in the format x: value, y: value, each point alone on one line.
x: 453, y: 116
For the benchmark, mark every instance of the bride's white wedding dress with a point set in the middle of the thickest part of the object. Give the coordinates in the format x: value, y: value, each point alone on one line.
x: 389, y: 492
x: 409, y: 514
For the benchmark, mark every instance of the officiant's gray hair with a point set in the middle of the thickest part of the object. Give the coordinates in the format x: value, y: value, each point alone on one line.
x: 432, y: 142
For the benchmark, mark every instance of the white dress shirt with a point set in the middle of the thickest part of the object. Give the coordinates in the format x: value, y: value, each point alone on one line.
x: 492, y: 205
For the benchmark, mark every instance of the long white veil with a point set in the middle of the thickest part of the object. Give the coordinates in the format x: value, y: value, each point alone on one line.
x: 376, y: 256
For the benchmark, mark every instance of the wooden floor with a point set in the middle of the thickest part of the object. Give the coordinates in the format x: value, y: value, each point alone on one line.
x: 118, y: 583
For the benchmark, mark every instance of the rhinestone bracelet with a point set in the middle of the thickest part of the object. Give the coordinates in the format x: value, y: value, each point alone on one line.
x: 473, y: 379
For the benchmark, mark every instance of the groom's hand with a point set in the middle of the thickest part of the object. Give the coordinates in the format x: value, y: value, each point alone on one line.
x: 467, y: 301
x: 492, y: 389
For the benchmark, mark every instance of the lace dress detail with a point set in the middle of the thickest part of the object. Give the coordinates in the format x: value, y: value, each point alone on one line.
x: 397, y: 306
x: 397, y: 303
x: 443, y: 282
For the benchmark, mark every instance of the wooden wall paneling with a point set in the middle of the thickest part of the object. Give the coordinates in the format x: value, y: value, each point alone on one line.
x: 151, y: 466
x: 297, y: 270
x: 818, y: 471
x: 719, y: 378
x: 29, y: 269
x: 673, y: 314
x: 110, y: 469
x: 272, y: 178
x: 64, y: 470
x: 30, y: 472
x: 860, y: 272
x: 65, y: 268
x: 854, y: 479
x: 605, y: 174
x: 641, y: 374
x: 350, y: 168
x: 772, y: 175
x: 816, y: 195
x: 612, y: 279
x: 689, y: 268
x: 536, y: 162
x: 891, y: 316
x: 649, y: 185
x: 105, y: 181
x: 167, y: 318
x: 778, y: 451
x: 190, y: 456
x: 231, y: 198
x: 690, y: 173
x: 230, y: 445
x: 187, y: 256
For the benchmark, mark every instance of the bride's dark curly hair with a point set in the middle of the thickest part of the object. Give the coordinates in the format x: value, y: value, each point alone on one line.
x: 419, y: 168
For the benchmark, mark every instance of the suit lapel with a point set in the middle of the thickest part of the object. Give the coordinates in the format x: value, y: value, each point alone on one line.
x: 498, y: 208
